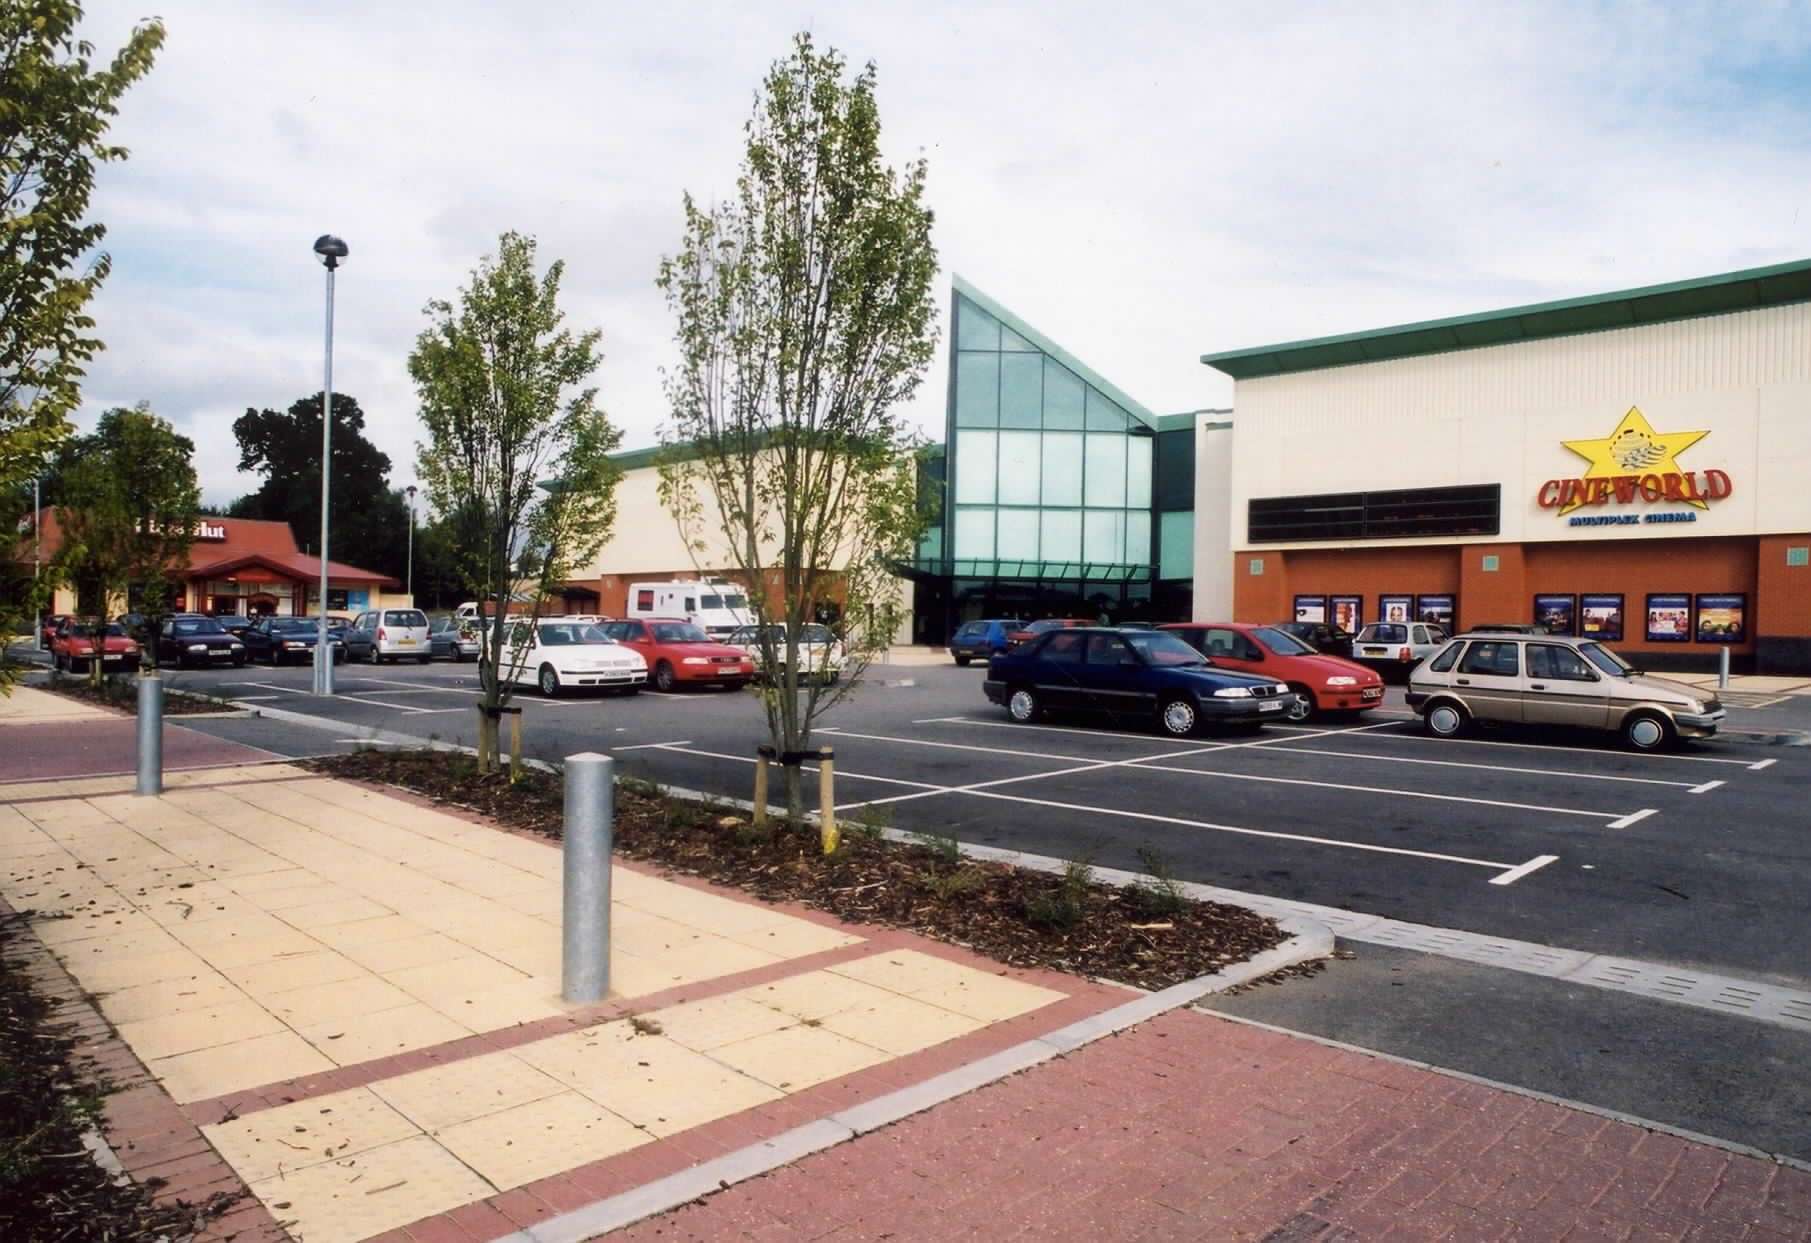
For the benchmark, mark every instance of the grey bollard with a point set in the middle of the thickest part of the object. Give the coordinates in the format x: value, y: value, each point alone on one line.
x: 590, y: 813
x: 1723, y: 667
x: 150, y: 734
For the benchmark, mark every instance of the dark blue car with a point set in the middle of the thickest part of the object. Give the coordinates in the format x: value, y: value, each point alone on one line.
x: 1141, y: 675
x: 978, y: 640
x: 285, y: 640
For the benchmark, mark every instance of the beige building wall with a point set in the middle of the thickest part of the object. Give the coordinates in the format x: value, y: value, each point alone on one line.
x: 1213, y: 519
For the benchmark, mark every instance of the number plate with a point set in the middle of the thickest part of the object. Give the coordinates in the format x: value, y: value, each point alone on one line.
x: 405, y: 643
x: 1374, y: 651
x: 1273, y: 707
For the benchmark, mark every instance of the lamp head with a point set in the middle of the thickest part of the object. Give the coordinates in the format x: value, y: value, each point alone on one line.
x: 331, y: 249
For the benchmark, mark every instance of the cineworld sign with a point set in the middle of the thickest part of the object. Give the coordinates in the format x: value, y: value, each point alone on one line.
x: 1635, y: 464
x: 1692, y: 487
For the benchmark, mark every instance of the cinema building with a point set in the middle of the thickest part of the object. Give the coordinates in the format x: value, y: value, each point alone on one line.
x: 1631, y: 465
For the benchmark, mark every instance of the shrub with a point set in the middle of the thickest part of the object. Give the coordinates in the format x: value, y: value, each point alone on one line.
x: 1159, y: 892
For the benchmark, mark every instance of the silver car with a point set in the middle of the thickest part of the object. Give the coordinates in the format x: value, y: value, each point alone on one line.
x: 1555, y: 680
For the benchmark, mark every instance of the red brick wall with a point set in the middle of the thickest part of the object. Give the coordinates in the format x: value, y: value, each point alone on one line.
x: 1636, y: 568
x: 1783, y: 609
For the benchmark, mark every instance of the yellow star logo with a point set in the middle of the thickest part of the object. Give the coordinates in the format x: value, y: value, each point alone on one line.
x: 1634, y: 448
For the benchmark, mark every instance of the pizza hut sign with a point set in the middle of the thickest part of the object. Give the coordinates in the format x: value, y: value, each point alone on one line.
x: 213, y: 532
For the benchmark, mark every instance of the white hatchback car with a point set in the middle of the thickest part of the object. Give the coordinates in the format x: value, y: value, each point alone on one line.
x: 1394, y: 648
x: 394, y: 634
x: 557, y: 652
x: 820, y: 655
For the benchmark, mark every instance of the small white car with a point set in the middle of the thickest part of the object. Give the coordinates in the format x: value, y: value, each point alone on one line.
x: 1394, y: 648
x: 820, y: 655
x: 394, y: 634
x: 557, y: 652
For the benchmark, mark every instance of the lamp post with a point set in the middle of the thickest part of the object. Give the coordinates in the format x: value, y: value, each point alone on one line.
x: 331, y: 250
x: 410, y: 490
x: 37, y: 559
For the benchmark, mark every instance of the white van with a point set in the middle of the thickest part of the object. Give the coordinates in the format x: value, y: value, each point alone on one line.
x: 715, y: 605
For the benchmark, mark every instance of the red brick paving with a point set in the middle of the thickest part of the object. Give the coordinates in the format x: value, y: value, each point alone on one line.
x: 48, y: 750
x: 1195, y: 1127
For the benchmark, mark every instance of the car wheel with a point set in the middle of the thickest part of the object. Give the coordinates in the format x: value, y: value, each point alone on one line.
x: 962, y: 661
x: 549, y: 681
x: 663, y: 677
x: 1304, y: 705
x: 1445, y: 720
x: 1178, y: 718
x: 1022, y: 705
x: 1647, y: 731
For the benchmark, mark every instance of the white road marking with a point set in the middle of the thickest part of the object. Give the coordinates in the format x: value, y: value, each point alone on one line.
x: 266, y: 686
x: 954, y: 746
x: 1633, y: 817
x: 1758, y: 765
x: 1516, y: 873
x: 1056, y: 729
x: 1551, y: 746
x: 1706, y: 788
x: 379, y: 703
x: 655, y: 746
x: 252, y: 699
x: 1494, y: 768
x: 841, y: 772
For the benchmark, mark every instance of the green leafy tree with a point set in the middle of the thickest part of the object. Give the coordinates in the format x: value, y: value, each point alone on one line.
x: 55, y: 109
x: 370, y: 519
x: 805, y: 320
x: 130, y: 503
x: 517, y: 450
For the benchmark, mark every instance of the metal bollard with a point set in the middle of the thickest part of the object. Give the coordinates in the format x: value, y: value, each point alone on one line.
x: 150, y: 733
x: 589, y: 815
x: 1723, y: 667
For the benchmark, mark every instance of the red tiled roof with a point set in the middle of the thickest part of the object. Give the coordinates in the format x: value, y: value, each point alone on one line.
x: 247, y: 541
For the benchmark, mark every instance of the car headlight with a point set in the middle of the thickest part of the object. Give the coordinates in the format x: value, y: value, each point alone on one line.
x: 696, y: 660
x: 1279, y: 688
x: 238, y: 647
x: 198, y: 647
x: 1233, y: 692
x: 1342, y: 680
x: 291, y: 644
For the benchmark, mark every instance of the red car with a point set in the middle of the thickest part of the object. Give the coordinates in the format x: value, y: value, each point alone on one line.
x: 1016, y: 637
x: 680, y: 653
x: 51, y: 624
x: 1325, y: 683
x: 73, y: 647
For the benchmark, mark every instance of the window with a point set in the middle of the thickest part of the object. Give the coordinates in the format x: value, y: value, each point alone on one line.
x: 1606, y: 660
x: 1497, y: 660
x: 1218, y: 641
x: 1473, y: 509
x: 336, y: 599
x: 1021, y: 390
x: 1103, y: 414
x: 1138, y: 471
x: 1387, y: 632
x: 1105, y: 466
x: 1108, y: 649
x: 1019, y: 463
x: 1062, y: 396
x: 975, y: 534
x: 977, y: 390
x: 1176, y: 544
x: 405, y: 617
x: 1103, y: 537
x: 711, y: 602
x: 976, y: 453
x: 1444, y: 661
x: 1560, y: 664
x: 1063, y: 648
x: 975, y: 328
x: 1017, y: 538
x: 691, y: 604
x: 1282, y: 642
x: 678, y: 632
x: 1013, y: 342
x: 644, y: 600
x: 1421, y: 635
x: 1138, y: 537
x: 1062, y: 473
x: 1163, y: 649
x: 1062, y: 535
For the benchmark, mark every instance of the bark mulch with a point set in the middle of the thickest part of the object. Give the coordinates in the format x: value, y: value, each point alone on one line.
x: 51, y: 1186
x: 1151, y: 936
x: 121, y: 693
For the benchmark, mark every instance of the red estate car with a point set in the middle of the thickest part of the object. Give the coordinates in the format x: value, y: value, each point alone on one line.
x: 51, y: 624
x: 1324, y: 683
x: 679, y: 652
x: 73, y: 647
x: 1016, y: 637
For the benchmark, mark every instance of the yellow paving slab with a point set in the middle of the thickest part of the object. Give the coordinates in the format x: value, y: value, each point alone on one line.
x: 704, y: 1025
x: 335, y: 999
x: 358, y: 1196
x: 510, y: 1005
x: 540, y: 1138
x: 293, y: 971
x: 421, y: 951
x: 901, y: 1025
x: 798, y: 1057
x: 339, y: 910
x: 382, y: 1033
x: 815, y: 995
x: 164, y: 997
x: 103, y: 975
x: 443, y: 1096
x: 454, y: 978
x: 291, y: 1137
x: 188, y: 1030
x: 243, y: 1064
x: 370, y: 931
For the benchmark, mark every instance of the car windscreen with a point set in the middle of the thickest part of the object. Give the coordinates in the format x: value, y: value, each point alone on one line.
x: 1282, y: 642
x: 1163, y: 650
x: 86, y: 630
x: 570, y: 634
x: 1384, y: 634
x: 197, y: 625
x: 679, y: 632
x: 294, y: 625
x: 405, y: 617
x: 1606, y: 660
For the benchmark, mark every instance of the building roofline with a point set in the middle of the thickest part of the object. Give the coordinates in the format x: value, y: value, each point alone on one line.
x: 1745, y: 290
x: 998, y: 310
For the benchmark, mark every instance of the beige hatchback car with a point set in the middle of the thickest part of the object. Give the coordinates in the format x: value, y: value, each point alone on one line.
x: 1555, y: 680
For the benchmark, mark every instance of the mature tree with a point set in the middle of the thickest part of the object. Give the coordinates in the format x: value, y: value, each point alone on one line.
x: 369, y: 519
x: 55, y: 109
x: 128, y: 515
x: 805, y: 319
x: 517, y: 454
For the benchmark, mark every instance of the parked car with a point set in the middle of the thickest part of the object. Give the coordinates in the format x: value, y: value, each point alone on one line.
x: 196, y: 639
x: 393, y: 634
x: 75, y: 646
x: 236, y: 624
x: 289, y: 640
x: 1506, y: 628
x: 820, y: 654
x: 50, y: 627
x: 1324, y: 637
x: 453, y: 639
x: 1026, y: 634
x: 679, y: 652
x: 1556, y: 680
x: 554, y: 653
x: 1321, y: 683
x: 1140, y: 675
x: 980, y: 639
x: 1394, y: 648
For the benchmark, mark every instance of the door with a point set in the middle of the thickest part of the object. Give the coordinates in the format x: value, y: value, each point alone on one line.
x: 518, y: 664
x: 1489, y: 678
x: 633, y: 634
x: 1113, y: 678
x: 1231, y: 650
x: 1563, y: 688
x: 1057, y: 671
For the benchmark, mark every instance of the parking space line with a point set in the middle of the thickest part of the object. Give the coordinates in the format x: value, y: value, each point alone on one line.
x: 1495, y: 768
x: 1632, y: 818
x: 1705, y: 788
x: 841, y: 772
x: 653, y: 746
x: 379, y: 703
x: 1553, y: 746
x: 1758, y: 765
x: 839, y: 732
x: 1516, y: 873
x: 1059, y: 729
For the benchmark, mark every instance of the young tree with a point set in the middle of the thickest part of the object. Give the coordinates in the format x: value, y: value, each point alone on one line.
x: 55, y: 108
x: 517, y: 454
x: 805, y: 319
x: 128, y: 514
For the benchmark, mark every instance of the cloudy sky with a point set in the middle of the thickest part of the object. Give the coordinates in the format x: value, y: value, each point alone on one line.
x: 1143, y: 182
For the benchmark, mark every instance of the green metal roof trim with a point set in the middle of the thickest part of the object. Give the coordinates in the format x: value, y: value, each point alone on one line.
x: 1747, y: 290
x: 636, y: 459
x: 1044, y: 343
x: 1186, y: 420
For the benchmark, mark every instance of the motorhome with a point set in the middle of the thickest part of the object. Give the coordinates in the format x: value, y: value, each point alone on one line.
x: 716, y: 605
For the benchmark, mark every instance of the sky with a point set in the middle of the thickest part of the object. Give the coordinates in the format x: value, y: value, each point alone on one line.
x: 1144, y: 183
